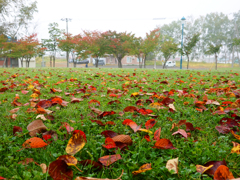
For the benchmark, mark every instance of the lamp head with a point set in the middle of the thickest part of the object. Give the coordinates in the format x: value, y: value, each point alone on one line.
x: 183, y: 20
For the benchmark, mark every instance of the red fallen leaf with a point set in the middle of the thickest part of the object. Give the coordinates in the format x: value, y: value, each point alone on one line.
x: 134, y: 126
x: 16, y: 103
x: 90, y: 162
x: 109, y: 143
x: 164, y: 144
x: 94, y: 101
x: 2, y: 177
x: 200, y: 110
x: 229, y: 122
x: 109, y: 133
x: 47, y: 137
x: 24, y: 92
x: 144, y: 111
x: 182, y: 132
x: 167, y: 101
x: 150, y: 123
x: 227, y: 102
x: 215, y: 164
x: 110, y: 123
x: 127, y: 121
x: 157, y: 134
x: 97, y: 111
x: 44, y: 104
x: 147, y: 137
x: 223, y: 173
x: 164, y: 82
x: 52, y: 133
x: 139, y: 102
x: 3, y: 89
x: 223, y: 129
x: 181, y: 122
x: 130, y: 109
x: 81, y: 91
x: 98, y: 122
x: 189, y: 126
x: 108, y: 160
x: 106, y: 113
x: 67, y: 126
x: 113, y: 102
x: 219, y: 112
x: 56, y: 101
x: 81, y: 133
x: 16, y: 129
x: 59, y: 170
x: 14, y: 110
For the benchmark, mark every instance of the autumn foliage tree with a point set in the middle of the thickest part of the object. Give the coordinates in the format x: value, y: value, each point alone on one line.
x: 25, y: 49
x: 118, y: 44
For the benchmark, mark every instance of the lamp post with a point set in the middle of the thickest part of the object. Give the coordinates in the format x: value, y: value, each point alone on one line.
x: 67, y: 19
x: 183, y: 20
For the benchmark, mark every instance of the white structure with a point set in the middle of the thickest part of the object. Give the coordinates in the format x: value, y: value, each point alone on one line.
x: 32, y: 63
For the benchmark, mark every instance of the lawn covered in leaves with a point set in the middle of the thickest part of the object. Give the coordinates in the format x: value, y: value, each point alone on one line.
x: 119, y: 124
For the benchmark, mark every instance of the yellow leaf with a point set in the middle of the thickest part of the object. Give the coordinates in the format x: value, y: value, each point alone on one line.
x: 135, y: 94
x: 75, y: 144
x: 30, y: 87
x: 172, y: 165
x: 235, y: 135
x: 34, y: 95
x: 145, y: 130
x: 143, y: 168
x: 201, y: 169
x: 236, y: 148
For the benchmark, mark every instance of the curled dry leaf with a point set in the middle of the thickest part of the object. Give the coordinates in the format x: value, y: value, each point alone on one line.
x: 223, y: 173
x: 236, y: 148
x: 44, y: 168
x: 41, y: 116
x: 215, y: 164
x: 108, y: 160
x: 14, y: 110
x: 34, y: 142
x: 35, y: 127
x: 59, y: 170
x: 172, y: 164
x: 182, y: 132
x: 157, y: 134
x: 69, y: 160
x: 143, y: 168
x: 76, y: 100
x: 201, y: 169
x: 75, y: 144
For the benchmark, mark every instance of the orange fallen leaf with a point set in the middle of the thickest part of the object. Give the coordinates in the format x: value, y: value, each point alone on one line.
x: 223, y: 173
x: 201, y: 169
x: 75, y: 144
x: 34, y: 142
x: 143, y: 168
x: 108, y: 160
x: 236, y: 148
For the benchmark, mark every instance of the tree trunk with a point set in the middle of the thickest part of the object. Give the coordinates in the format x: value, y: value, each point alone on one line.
x: 145, y: 61
x: 67, y: 59
x: 119, y: 62
x: 233, y: 57
x: 74, y: 63
x: 164, y: 65
x: 215, y: 61
x: 53, y: 61
x: 188, y: 61
x: 21, y: 62
x: 50, y: 61
x: 96, y: 62
x: 5, y: 62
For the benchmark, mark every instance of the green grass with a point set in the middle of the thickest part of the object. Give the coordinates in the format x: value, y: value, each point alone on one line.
x: 78, y: 115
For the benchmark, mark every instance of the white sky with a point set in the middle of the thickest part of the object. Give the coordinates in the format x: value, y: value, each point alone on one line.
x: 123, y: 15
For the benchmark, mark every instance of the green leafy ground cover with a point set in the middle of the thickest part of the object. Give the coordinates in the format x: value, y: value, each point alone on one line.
x: 186, y: 88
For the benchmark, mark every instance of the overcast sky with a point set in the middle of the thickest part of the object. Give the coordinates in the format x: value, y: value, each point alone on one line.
x: 134, y: 16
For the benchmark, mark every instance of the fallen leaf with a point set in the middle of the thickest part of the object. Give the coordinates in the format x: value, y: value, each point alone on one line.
x: 223, y: 129
x: 235, y: 135
x: 157, y: 134
x: 16, y: 129
x: 26, y: 161
x: 36, y: 127
x: 69, y: 160
x: 201, y: 169
x: 223, y: 173
x: 164, y: 144
x: 59, y: 170
x: 143, y: 168
x: 215, y: 164
x: 43, y: 167
x: 109, y: 143
x: 126, y: 139
x: 75, y: 144
x: 34, y: 142
x: 108, y: 160
x: 182, y: 132
x: 41, y: 116
x: 150, y: 123
x: 172, y: 164
x: 14, y: 110
x: 236, y: 148
x: 90, y: 162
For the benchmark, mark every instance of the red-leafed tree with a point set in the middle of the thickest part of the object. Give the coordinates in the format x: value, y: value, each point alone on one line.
x: 96, y: 44
x: 25, y: 49
x: 118, y: 44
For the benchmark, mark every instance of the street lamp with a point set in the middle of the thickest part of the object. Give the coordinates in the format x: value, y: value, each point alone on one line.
x: 67, y: 20
x: 183, y: 20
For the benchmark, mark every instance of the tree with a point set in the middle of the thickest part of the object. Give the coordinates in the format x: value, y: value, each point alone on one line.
x: 25, y: 49
x: 52, y: 44
x: 118, y: 44
x: 168, y: 48
x: 15, y: 15
x: 189, y: 44
x: 213, y: 49
x: 96, y: 44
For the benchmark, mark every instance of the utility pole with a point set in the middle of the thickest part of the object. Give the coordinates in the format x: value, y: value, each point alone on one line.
x: 67, y: 53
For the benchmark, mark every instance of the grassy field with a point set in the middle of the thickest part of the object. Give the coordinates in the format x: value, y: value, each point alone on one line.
x: 195, y: 111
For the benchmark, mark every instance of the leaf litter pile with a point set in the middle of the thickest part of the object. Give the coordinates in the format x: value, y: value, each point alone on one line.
x: 119, y: 124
